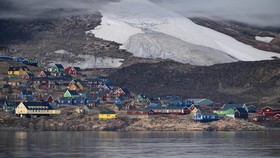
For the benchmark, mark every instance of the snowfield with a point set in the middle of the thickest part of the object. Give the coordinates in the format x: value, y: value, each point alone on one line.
x: 150, y: 31
x: 264, y: 39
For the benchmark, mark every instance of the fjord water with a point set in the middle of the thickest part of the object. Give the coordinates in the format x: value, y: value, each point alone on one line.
x: 140, y: 144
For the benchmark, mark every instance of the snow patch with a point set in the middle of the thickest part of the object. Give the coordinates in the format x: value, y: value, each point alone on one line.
x: 264, y: 39
x: 158, y: 45
x: 87, y: 61
x: 123, y: 21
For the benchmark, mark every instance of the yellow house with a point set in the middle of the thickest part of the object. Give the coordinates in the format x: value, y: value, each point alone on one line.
x: 35, y: 108
x: 17, y: 70
x: 107, y: 115
x: 78, y: 85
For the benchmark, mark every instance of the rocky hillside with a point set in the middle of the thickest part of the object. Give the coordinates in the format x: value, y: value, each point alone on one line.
x: 255, y: 82
x: 244, y: 33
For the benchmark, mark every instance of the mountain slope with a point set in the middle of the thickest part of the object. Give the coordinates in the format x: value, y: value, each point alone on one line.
x: 256, y: 82
x: 137, y: 17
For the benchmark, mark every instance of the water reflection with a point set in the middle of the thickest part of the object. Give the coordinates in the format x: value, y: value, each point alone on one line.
x: 139, y: 144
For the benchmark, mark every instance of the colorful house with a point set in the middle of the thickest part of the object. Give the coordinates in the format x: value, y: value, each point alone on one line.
x: 57, y: 68
x: 26, y: 94
x: 9, y: 106
x: 79, y: 101
x: 35, y: 108
x: 73, y: 70
x: 141, y: 98
x: 71, y: 94
x: 205, y: 116
x: 27, y: 75
x: 17, y: 70
x: 65, y: 100
x: 251, y: 108
x: 177, y: 110
x: 240, y: 113
x: 106, y: 114
x: 93, y: 101
x: 233, y: 106
x: 228, y: 112
x: 45, y: 74
x: 269, y: 111
x: 78, y: 85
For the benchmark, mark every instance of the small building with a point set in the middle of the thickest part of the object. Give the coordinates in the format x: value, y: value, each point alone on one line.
x: 10, y: 106
x: 251, y: 108
x: 205, y: 116
x: 233, y: 106
x: 79, y: 101
x: 228, y: 112
x: 269, y: 111
x: 19, y: 70
x: 65, y: 100
x: 45, y: 74
x: 107, y: 114
x: 35, y: 108
x: 240, y: 113
x: 27, y: 75
x: 141, y: 98
x: 160, y: 110
x: 57, y: 68
x: 71, y: 94
x: 26, y: 94
x: 277, y: 117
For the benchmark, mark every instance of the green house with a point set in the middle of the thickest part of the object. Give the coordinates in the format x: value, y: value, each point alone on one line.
x: 229, y: 112
x: 142, y: 99
x: 57, y: 68
x: 71, y: 94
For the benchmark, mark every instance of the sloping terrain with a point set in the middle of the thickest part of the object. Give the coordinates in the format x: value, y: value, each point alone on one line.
x: 124, y: 21
x: 255, y: 82
x: 244, y: 33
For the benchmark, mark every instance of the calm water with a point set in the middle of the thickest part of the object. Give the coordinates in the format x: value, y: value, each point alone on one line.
x: 140, y: 144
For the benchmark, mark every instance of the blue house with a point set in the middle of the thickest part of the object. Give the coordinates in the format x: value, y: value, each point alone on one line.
x: 119, y: 101
x: 25, y: 94
x: 79, y: 101
x: 188, y: 103
x: 205, y: 116
x: 65, y: 100
x: 105, y: 80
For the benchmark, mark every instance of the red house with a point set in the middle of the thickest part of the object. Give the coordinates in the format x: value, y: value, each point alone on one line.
x: 269, y: 111
x: 73, y: 70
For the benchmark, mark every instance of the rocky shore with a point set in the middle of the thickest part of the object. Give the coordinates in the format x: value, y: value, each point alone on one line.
x: 90, y: 122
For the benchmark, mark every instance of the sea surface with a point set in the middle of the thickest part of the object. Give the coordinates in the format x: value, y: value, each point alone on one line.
x: 140, y: 144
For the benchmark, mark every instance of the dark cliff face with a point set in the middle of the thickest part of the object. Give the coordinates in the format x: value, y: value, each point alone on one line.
x: 235, y: 82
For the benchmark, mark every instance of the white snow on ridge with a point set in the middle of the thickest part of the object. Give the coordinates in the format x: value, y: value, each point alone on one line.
x: 264, y: 39
x: 124, y: 21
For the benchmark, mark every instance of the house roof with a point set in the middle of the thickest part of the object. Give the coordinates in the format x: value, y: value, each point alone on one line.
x: 64, y: 98
x: 72, y: 92
x: 241, y: 110
x: 37, y: 105
x: 228, y: 106
x: 167, y: 107
x: 47, y: 73
x: 59, y: 66
x: 77, y: 68
x: 205, y: 102
x: 14, y: 69
x: 11, y: 103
